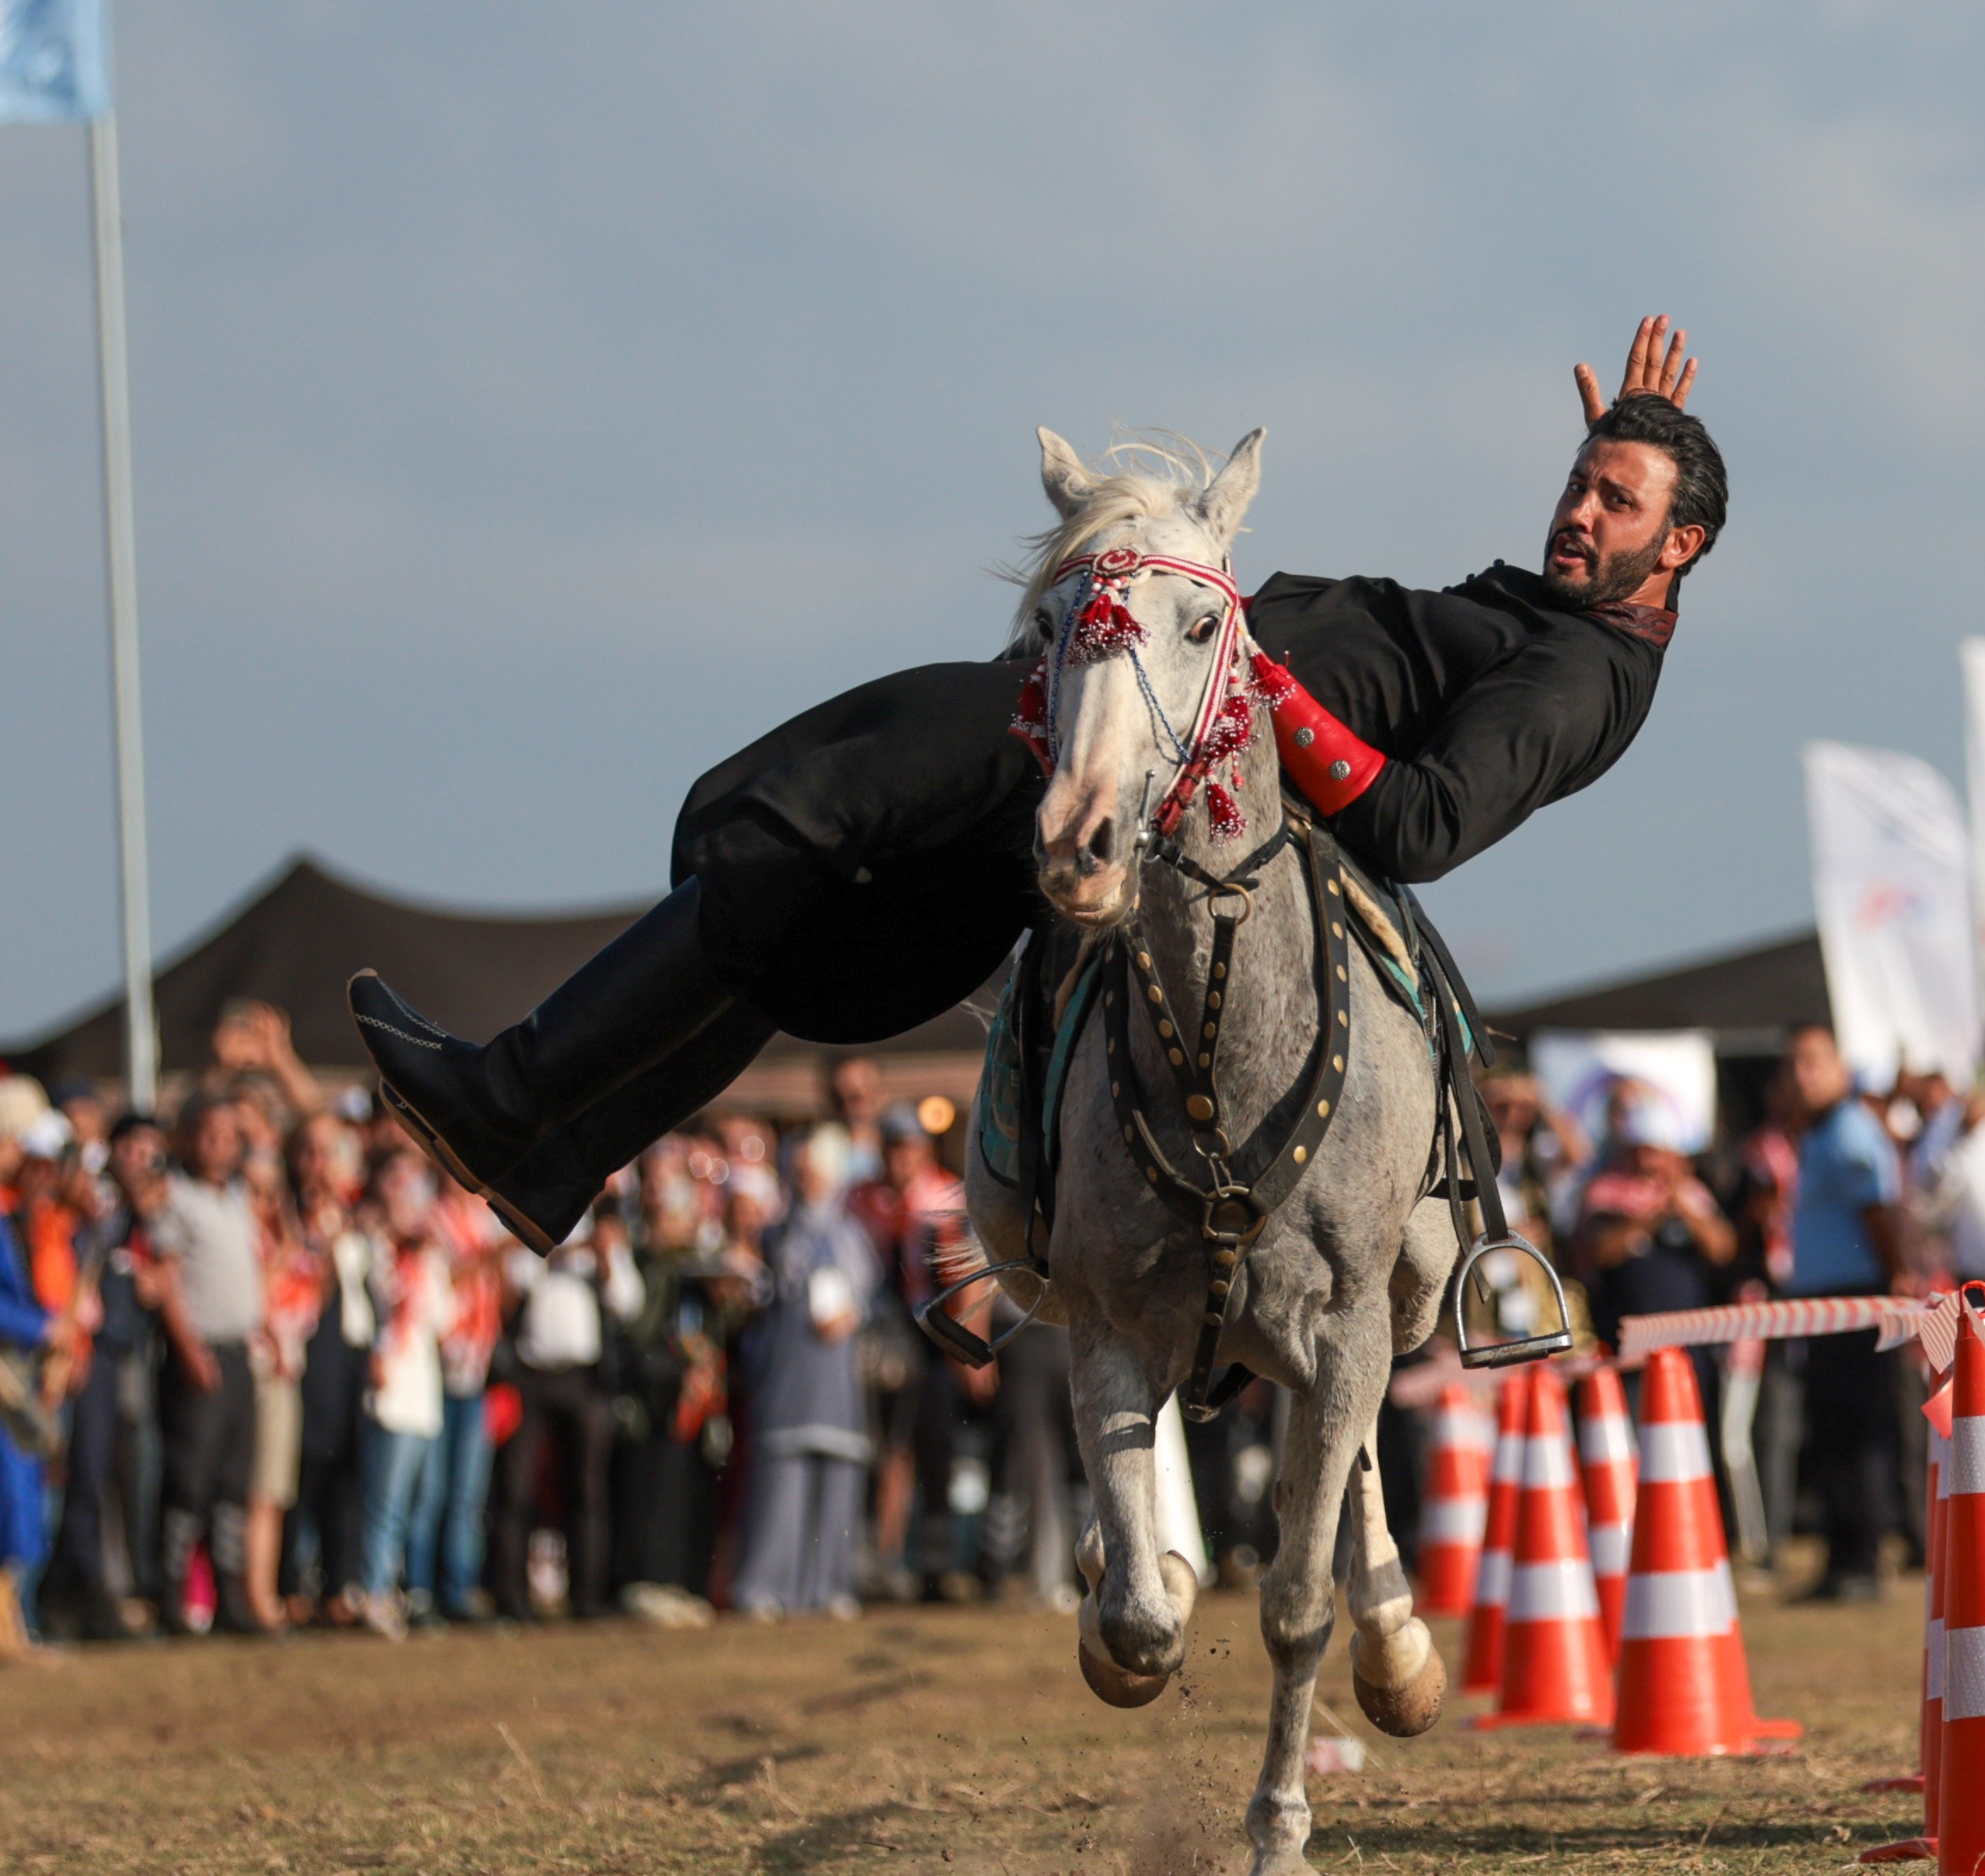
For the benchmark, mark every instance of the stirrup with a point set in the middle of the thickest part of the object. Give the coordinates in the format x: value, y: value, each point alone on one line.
x: 953, y: 1336
x: 1526, y: 1348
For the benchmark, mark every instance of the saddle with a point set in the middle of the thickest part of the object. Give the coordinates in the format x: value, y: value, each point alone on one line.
x: 1052, y: 987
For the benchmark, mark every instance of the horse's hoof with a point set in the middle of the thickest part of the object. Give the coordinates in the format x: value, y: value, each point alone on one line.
x: 1115, y: 1686
x: 1112, y: 1685
x: 1404, y: 1712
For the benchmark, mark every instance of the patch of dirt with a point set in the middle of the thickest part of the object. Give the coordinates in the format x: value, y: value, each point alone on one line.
x: 957, y: 1742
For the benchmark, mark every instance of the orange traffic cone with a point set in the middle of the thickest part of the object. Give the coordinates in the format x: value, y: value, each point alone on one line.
x: 1684, y: 1685
x: 1961, y: 1791
x: 1606, y: 1457
x: 1555, y: 1669
x: 1457, y: 1506
x: 1930, y: 1739
x: 1483, y: 1673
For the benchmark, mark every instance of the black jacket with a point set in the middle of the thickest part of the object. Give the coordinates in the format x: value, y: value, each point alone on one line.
x: 867, y: 865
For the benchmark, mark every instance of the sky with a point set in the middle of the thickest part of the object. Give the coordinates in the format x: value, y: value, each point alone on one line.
x: 525, y: 419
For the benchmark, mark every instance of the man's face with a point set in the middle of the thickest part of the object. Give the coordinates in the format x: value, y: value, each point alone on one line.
x: 1611, y: 523
x: 216, y: 1147
x: 1818, y: 1075
x: 137, y: 1159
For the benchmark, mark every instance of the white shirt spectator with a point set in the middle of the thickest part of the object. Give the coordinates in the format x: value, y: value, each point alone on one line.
x: 559, y: 1327
x: 210, y: 1233
x: 406, y: 1394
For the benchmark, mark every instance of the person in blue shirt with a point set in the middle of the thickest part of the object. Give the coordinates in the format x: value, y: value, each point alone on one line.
x: 24, y: 1326
x: 1847, y: 1241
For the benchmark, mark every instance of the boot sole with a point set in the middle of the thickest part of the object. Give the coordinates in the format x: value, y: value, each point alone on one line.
x: 438, y: 1150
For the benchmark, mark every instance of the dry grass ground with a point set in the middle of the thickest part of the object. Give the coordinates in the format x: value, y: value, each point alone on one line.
x: 953, y: 1741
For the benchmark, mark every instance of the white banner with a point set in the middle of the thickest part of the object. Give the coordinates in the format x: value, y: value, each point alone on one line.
x: 1892, y: 888
x: 1972, y: 656
x: 1675, y: 1070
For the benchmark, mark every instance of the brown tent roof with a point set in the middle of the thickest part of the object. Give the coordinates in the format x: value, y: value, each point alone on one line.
x: 294, y: 942
x: 1750, y: 997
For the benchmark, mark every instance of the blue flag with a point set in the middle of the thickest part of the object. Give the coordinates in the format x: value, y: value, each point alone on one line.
x: 54, y: 62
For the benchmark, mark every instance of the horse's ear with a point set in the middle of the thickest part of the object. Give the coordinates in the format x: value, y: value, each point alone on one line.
x: 1226, y: 498
x: 1069, y: 484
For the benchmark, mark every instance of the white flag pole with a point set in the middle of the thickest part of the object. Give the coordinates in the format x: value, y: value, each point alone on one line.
x: 141, y: 1026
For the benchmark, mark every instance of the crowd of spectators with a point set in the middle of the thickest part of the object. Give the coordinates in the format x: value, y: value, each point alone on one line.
x: 260, y: 1366
x: 1837, y: 1188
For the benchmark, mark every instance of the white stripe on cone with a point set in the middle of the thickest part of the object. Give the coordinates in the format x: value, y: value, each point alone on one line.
x: 1963, y: 1674
x: 1674, y: 1452
x: 1454, y: 1520
x: 1552, y: 1592
x: 1664, y: 1604
x: 1605, y: 1440
x: 1492, y: 1580
x: 1612, y: 1548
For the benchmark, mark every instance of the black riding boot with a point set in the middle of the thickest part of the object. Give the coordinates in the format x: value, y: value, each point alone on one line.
x: 480, y: 1110
x: 548, y: 1192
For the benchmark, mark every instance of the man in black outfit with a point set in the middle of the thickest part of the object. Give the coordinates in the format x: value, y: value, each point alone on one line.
x: 864, y: 867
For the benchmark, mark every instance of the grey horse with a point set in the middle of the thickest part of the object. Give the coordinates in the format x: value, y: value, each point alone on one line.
x: 1350, y: 1269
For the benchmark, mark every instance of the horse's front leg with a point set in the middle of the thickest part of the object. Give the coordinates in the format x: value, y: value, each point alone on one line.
x: 1132, y: 1624
x: 1299, y: 1603
x: 1396, y: 1671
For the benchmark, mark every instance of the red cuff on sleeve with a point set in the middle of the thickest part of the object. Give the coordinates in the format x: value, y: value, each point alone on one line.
x: 1330, y: 766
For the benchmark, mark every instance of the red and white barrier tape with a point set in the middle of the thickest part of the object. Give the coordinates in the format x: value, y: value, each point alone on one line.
x: 1898, y: 1318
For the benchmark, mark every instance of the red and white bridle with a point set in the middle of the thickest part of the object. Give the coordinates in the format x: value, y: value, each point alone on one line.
x: 1099, y: 624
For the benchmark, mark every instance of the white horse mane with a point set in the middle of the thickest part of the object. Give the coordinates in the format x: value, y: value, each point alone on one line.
x: 1126, y: 488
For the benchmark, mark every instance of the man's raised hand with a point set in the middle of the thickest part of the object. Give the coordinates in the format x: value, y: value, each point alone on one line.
x: 1655, y: 368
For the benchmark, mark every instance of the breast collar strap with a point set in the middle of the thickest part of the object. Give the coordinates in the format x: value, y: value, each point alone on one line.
x: 1245, y: 1184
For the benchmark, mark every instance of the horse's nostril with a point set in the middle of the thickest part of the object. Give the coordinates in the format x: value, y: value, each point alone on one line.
x: 1102, y: 843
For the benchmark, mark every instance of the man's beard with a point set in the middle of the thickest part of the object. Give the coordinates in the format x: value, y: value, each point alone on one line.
x: 1619, y: 576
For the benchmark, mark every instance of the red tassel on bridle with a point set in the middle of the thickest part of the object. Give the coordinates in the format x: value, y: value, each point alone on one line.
x: 1101, y: 625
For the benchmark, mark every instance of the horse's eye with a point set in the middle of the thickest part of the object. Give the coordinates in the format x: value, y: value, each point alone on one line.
x: 1043, y: 623
x: 1203, y: 629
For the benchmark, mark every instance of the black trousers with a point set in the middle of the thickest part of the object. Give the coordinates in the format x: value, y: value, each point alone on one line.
x: 208, y: 1441
x: 1850, y: 1434
x: 568, y: 1407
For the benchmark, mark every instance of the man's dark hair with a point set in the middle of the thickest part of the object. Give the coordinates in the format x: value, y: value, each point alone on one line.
x: 1702, y: 491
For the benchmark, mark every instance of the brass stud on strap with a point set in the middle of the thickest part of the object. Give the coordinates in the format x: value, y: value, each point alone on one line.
x: 1225, y: 1258
x: 1165, y: 1030
x: 1151, y: 1174
x: 1342, y: 977
x: 1110, y: 1047
x: 1323, y: 1110
x: 1206, y: 1061
x: 1218, y: 1287
x: 1199, y: 1107
x: 1212, y: 999
x: 1211, y: 1030
x: 1156, y: 994
x: 1131, y: 1134
x: 1116, y: 1089
x: 1336, y: 929
x: 1338, y: 1063
x: 1144, y: 961
x: 1214, y: 1318
x: 1301, y: 1154
x: 1332, y: 886
x: 1178, y: 1059
x: 1219, y: 970
x: 1343, y: 1021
